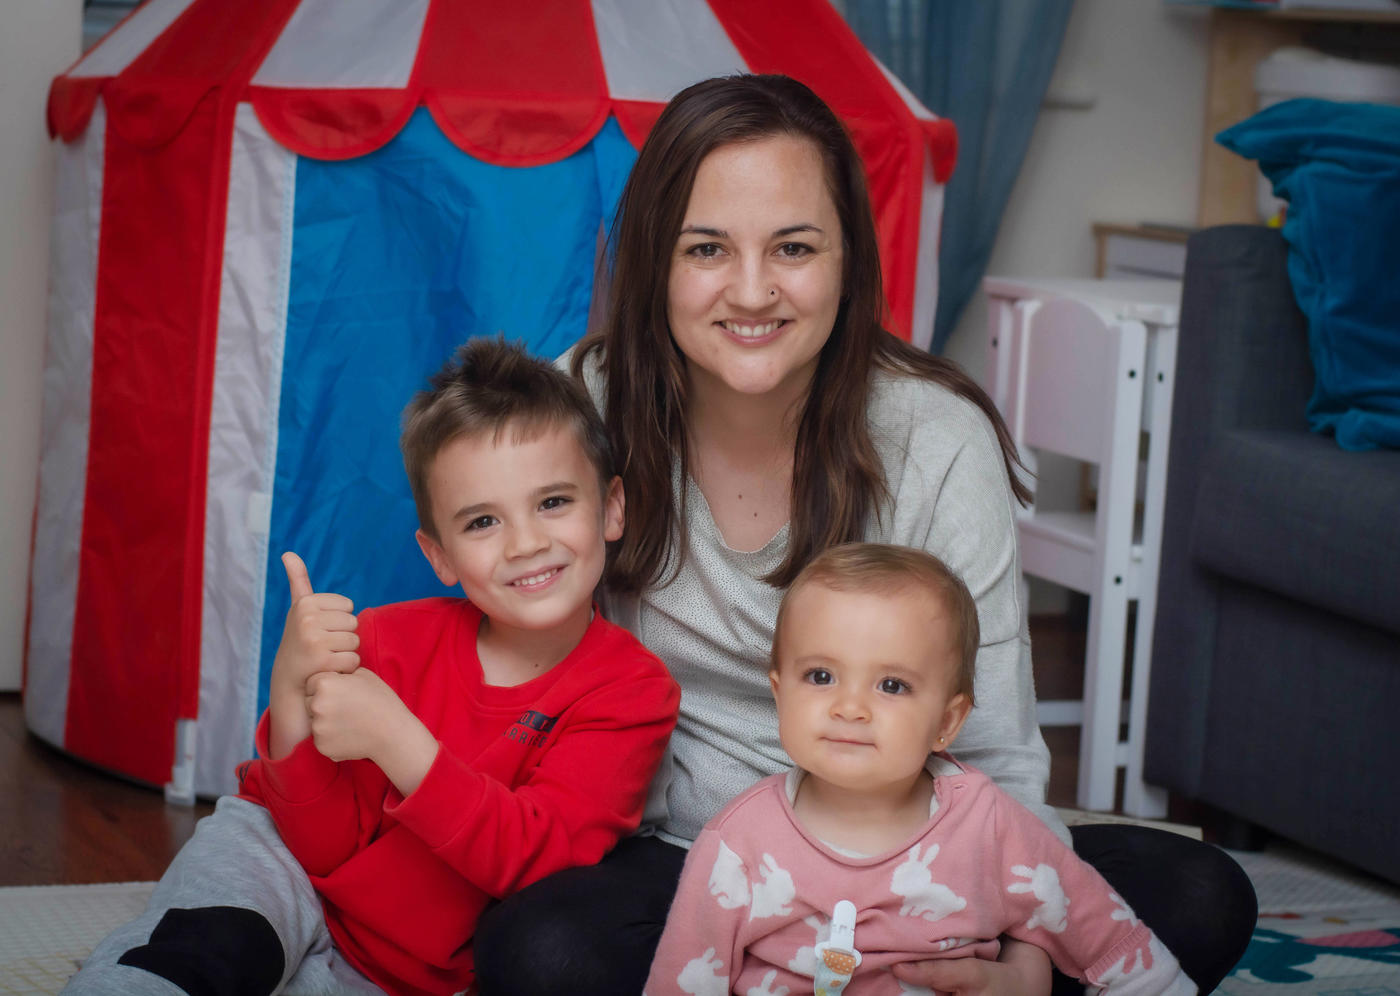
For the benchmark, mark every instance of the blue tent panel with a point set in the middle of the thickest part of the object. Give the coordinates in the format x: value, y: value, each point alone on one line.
x: 397, y: 258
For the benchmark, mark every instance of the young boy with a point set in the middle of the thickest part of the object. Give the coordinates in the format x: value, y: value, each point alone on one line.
x: 878, y: 848
x: 431, y: 756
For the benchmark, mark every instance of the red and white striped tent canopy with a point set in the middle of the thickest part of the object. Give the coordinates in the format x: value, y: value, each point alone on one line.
x: 164, y: 405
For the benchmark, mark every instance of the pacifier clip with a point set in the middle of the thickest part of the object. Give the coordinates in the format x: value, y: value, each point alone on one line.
x: 837, y: 957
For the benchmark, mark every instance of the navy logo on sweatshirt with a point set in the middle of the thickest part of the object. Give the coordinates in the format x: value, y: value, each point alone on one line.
x: 532, y: 728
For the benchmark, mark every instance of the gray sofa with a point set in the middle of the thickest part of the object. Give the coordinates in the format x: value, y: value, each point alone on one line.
x: 1275, y: 692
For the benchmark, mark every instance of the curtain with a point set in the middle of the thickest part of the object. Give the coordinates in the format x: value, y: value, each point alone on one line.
x: 984, y: 64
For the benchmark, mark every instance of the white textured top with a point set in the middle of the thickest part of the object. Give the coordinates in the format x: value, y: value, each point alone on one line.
x: 713, y: 624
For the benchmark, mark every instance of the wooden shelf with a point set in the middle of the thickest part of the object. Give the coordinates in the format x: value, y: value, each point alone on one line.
x: 1239, y: 40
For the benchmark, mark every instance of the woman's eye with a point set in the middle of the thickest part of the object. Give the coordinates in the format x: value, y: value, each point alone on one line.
x: 819, y: 676
x: 893, y: 686
x: 481, y: 522
x: 704, y: 250
x: 793, y: 250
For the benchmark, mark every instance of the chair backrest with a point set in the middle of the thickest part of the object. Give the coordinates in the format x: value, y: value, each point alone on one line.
x: 1075, y: 384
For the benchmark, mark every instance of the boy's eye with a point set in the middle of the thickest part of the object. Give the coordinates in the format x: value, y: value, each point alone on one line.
x: 818, y: 676
x: 893, y: 686
x: 481, y: 522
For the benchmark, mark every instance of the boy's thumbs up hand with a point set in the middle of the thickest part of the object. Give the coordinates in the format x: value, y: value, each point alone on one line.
x: 319, y: 636
x: 298, y: 579
x: 320, y: 632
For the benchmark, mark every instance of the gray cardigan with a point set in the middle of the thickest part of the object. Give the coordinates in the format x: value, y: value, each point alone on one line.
x: 713, y: 624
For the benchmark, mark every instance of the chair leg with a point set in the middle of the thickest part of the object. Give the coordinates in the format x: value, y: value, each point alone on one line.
x: 1103, y: 696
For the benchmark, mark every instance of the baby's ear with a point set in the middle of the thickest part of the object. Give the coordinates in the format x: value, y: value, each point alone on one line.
x: 954, y: 715
x: 437, y: 557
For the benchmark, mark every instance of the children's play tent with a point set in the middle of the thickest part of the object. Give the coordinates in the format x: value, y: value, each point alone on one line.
x: 274, y: 218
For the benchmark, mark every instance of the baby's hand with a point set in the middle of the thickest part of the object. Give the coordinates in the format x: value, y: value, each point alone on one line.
x: 319, y: 635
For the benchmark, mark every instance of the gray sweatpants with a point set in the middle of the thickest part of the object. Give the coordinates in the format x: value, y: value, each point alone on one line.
x: 234, y: 912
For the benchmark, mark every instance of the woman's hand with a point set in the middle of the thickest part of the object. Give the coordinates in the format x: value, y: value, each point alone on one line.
x: 1022, y: 969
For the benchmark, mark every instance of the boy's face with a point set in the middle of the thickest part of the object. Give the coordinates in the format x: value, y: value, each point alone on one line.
x: 864, y: 685
x: 522, y: 526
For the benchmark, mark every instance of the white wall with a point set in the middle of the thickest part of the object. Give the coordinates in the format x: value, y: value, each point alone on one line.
x: 1133, y: 155
x: 1118, y: 140
x: 39, y: 39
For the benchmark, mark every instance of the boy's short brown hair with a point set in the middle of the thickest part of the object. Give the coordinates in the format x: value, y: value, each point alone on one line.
x: 495, y: 386
x: 885, y: 569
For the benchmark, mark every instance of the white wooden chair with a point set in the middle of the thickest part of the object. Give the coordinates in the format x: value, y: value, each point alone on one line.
x: 1072, y: 384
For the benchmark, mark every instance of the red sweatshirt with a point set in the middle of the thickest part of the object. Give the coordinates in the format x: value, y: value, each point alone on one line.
x: 528, y: 780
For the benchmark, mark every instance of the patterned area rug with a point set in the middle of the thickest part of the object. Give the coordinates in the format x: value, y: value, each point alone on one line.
x: 45, y: 930
x: 1324, y: 930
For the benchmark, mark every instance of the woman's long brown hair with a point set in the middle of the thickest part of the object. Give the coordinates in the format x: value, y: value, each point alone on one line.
x: 837, y: 477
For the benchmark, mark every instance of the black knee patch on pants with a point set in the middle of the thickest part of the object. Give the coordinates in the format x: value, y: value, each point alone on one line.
x: 213, y: 951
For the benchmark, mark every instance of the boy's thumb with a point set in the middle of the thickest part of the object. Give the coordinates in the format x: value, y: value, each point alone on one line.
x: 298, y: 580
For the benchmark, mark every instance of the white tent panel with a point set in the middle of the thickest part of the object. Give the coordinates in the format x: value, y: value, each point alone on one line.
x: 346, y: 43
x: 684, y: 43
x: 242, y: 445
x: 58, y: 530
x: 915, y: 106
x: 926, y: 266
x: 120, y: 49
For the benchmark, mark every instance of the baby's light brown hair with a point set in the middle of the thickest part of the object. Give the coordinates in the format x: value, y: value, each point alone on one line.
x: 492, y: 386
x: 882, y: 568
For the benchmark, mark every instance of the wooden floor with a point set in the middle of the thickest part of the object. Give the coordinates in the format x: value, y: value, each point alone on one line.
x: 64, y: 823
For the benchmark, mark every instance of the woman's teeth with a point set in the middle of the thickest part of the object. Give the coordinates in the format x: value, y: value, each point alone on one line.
x: 751, y: 331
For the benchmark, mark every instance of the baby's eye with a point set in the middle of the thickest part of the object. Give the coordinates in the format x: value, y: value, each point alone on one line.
x: 818, y: 676
x: 555, y: 501
x: 893, y: 686
x: 481, y: 522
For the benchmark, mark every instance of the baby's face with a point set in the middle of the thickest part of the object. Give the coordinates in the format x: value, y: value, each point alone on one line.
x: 864, y: 685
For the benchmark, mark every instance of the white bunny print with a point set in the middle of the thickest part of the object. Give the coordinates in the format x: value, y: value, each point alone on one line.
x: 805, y: 961
x: 765, y: 988
x: 922, y: 895
x: 772, y: 895
x: 704, y: 976
x: 1044, y: 884
x: 728, y: 883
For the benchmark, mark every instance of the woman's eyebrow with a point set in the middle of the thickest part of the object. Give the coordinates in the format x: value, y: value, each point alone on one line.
x: 719, y: 233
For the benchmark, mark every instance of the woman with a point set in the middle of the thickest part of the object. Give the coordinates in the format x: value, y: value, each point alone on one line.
x: 762, y: 414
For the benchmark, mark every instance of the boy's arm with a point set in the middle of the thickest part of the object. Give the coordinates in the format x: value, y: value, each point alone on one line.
x: 581, y: 796
x: 1063, y: 905
x: 699, y: 950
x: 319, y: 636
x: 324, y: 810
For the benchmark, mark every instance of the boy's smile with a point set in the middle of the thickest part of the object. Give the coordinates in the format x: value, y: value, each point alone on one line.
x: 522, y: 526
